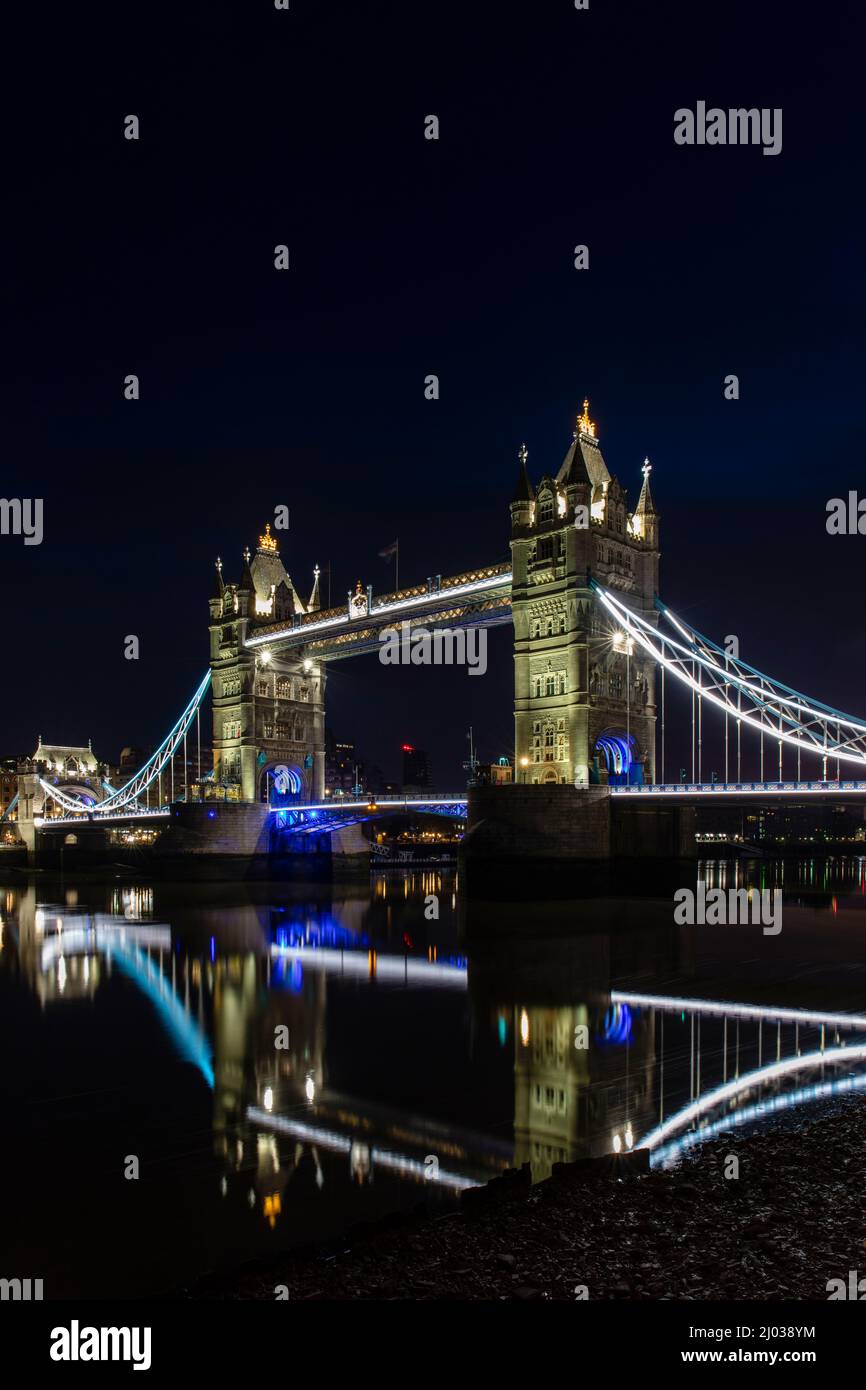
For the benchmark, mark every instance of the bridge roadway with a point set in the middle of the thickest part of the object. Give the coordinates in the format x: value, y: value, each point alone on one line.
x: 455, y: 803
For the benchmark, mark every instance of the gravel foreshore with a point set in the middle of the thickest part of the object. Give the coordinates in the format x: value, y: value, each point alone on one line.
x: 794, y: 1219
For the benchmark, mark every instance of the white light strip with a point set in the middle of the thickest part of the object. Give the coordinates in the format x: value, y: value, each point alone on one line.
x: 731, y: 1089
x: 477, y: 586
x: 767, y: 1014
x: 706, y: 694
x: 339, y: 1143
x: 768, y: 686
x: 375, y: 803
x: 786, y: 1100
x: 357, y: 963
x: 767, y: 695
x: 662, y: 789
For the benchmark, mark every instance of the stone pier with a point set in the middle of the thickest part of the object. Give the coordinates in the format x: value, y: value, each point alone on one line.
x: 566, y: 824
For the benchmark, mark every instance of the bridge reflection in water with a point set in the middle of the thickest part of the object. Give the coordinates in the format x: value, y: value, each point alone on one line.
x: 348, y: 1044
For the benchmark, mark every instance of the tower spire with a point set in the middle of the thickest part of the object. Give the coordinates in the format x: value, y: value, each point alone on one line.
x: 218, y: 585
x: 583, y: 424
x: 523, y: 491
x: 315, y: 603
x: 645, y: 504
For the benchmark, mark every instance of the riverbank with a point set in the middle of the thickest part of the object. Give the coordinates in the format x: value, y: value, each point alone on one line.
x: 794, y: 1219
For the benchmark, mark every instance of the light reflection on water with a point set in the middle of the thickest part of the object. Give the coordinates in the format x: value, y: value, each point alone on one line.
x: 300, y: 1057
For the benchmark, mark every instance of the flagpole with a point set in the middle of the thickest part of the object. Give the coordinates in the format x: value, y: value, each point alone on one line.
x: 397, y: 563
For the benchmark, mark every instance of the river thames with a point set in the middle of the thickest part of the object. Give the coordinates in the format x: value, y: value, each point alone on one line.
x: 208, y: 1074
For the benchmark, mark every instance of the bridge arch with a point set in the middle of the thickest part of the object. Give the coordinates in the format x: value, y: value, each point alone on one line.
x: 282, y: 783
x: 617, y: 755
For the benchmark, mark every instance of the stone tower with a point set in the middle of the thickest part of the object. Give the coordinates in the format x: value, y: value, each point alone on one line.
x: 584, y: 704
x: 268, y: 708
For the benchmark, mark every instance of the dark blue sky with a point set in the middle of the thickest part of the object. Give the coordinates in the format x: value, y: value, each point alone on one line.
x: 409, y: 257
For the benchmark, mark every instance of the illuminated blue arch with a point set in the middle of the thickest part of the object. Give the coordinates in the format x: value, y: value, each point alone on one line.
x: 618, y: 749
x: 285, y: 785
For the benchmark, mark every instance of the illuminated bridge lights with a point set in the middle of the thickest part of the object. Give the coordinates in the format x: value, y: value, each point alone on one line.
x: 744, y: 694
x: 419, y: 603
x: 732, y: 1090
x: 662, y: 789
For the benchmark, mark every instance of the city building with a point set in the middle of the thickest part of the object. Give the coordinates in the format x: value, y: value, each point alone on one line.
x: 496, y: 774
x: 8, y: 783
x: 344, y: 774
x: 416, y: 769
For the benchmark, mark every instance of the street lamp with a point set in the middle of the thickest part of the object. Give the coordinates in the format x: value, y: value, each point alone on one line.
x: 524, y: 763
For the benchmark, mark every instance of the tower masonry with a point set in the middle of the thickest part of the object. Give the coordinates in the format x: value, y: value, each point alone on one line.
x: 584, y: 696
x: 268, y: 707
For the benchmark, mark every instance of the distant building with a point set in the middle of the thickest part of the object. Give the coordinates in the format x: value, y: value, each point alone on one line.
x: 496, y: 774
x: 343, y: 771
x: 416, y: 769
x: 8, y: 783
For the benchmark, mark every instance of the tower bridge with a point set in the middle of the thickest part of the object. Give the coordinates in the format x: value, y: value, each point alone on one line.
x: 595, y: 653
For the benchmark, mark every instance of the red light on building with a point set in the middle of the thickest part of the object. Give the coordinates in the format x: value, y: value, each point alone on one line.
x: 407, y: 748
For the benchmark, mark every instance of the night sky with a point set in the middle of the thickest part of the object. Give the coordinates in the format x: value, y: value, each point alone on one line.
x: 411, y: 257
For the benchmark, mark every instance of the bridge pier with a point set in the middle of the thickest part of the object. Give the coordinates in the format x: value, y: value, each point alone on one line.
x: 565, y: 825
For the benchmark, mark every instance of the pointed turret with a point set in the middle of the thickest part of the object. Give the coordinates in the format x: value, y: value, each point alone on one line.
x: 645, y: 504
x: 218, y: 586
x: 247, y: 581
x: 315, y: 602
x: 644, y: 523
x: 584, y: 460
x: 523, y: 491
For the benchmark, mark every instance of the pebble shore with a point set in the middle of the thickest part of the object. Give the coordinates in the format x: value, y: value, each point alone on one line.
x: 794, y: 1219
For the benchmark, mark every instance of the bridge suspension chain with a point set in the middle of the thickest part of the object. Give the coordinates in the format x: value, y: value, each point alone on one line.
x: 741, y: 691
x: 128, y: 795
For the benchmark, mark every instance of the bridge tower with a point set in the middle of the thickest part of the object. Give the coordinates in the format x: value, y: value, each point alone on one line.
x: 268, y: 707
x: 584, y: 704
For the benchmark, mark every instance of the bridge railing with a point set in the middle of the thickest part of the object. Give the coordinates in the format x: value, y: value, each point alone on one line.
x: 725, y: 788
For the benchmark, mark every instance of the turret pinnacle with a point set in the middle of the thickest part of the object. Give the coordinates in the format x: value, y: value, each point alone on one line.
x: 523, y: 492
x: 645, y: 504
x: 247, y: 581
x: 218, y: 585
x: 315, y: 603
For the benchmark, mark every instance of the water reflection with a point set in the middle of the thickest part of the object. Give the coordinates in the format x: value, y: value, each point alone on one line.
x: 355, y: 1043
